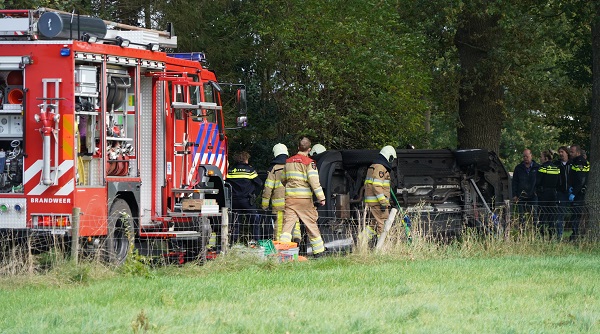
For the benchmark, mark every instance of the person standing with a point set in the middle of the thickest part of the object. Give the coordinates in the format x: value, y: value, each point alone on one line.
x: 377, y: 192
x: 274, y: 192
x: 562, y: 192
x: 523, y: 186
x: 580, y: 168
x: 301, y: 180
x: 547, y: 181
x: 245, y: 186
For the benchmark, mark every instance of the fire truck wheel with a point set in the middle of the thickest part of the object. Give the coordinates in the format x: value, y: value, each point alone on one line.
x: 120, y: 232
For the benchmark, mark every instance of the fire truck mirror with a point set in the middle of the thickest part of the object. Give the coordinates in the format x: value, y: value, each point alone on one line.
x: 240, y: 101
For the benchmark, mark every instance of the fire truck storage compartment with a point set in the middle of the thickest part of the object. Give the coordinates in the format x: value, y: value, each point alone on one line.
x: 86, y: 83
x: 11, y: 90
x: 11, y: 125
x: 118, y: 83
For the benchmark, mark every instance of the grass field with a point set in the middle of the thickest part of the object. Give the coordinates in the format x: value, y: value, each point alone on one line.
x: 413, y: 289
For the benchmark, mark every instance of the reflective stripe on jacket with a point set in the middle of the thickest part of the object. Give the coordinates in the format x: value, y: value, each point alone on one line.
x: 377, y: 186
x: 580, y: 169
x: 274, y: 191
x: 301, y: 178
x: 244, y: 181
x: 548, y: 177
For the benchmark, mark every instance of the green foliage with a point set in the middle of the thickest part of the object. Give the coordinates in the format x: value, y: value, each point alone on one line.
x: 337, y: 76
x: 136, y: 265
x: 527, y: 131
x: 67, y: 5
x: 361, y: 74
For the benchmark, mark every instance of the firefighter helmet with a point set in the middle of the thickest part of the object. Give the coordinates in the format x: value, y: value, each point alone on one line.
x: 317, y: 149
x: 388, y: 152
x: 280, y: 149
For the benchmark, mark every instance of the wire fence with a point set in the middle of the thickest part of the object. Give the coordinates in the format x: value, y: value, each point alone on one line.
x: 190, y: 240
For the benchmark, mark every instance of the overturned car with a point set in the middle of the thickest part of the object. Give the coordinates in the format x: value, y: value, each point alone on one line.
x: 441, y: 191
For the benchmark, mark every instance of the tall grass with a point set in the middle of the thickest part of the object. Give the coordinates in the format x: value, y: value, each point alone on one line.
x: 494, y: 283
x: 388, y: 293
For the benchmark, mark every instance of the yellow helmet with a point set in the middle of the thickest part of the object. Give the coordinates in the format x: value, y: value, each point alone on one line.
x: 317, y: 149
x: 279, y: 149
x: 388, y: 152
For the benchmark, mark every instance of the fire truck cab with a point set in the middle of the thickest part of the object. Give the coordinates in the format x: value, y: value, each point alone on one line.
x: 97, y: 120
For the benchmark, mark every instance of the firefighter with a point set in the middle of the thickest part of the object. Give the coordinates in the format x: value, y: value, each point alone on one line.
x: 274, y: 191
x: 301, y: 180
x: 578, y: 174
x: 316, y: 150
x: 377, y: 192
x: 245, y: 186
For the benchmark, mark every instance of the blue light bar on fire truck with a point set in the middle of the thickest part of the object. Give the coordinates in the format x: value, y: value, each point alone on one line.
x: 195, y: 56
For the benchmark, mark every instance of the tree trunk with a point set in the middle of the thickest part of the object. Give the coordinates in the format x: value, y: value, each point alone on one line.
x: 481, y: 95
x: 593, y: 183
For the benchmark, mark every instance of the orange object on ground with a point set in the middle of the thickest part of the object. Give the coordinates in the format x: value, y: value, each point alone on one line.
x: 279, y: 245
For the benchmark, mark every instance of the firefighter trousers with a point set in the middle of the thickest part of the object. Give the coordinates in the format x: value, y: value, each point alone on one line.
x: 302, y: 209
x: 380, y: 216
x: 296, y: 234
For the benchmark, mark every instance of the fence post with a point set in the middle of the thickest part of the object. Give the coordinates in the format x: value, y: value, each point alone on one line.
x: 75, y: 235
x: 224, y: 230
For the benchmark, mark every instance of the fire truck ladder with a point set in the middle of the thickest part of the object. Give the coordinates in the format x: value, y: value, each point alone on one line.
x: 49, y: 117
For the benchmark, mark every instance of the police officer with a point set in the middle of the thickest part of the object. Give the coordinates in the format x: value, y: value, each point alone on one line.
x: 377, y: 192
x: 547, y: 180
x: 245, y: 186
x: 580, y: 168
x: 274, y: 191
x: 562, y: 193
x: 301, y: 180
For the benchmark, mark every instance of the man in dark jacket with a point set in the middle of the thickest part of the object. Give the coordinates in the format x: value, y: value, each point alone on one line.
x: 580, y: 169
x: 523, y: 186
x: 245, y: 186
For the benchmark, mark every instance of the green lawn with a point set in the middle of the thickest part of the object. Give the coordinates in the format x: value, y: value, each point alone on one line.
x: 352, y: 294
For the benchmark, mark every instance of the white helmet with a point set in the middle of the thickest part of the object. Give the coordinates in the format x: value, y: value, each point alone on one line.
x: 388, y: 152
x: 280, y: 149
x: 317, y: 149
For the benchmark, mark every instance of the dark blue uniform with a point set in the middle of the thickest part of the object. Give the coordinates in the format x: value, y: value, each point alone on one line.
x: 547, y: 180
x: 245, y: 185
x: 578, y: 174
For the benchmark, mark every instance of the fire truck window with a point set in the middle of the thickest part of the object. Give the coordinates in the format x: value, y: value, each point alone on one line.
x: 194, y: 92
x: 209, y: 93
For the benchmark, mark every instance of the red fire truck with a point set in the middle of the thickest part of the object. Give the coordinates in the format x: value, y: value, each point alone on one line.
x: 96, y: 118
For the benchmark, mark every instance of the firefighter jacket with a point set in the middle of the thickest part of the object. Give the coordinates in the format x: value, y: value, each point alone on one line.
x: 580, y: 169
x: 524, y: 180
x: 274, y: 191
x: 244, y: 181
x: 548, y: 178
x: 565, y: 169
x: 377, y: 184
x: 301, y: 178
